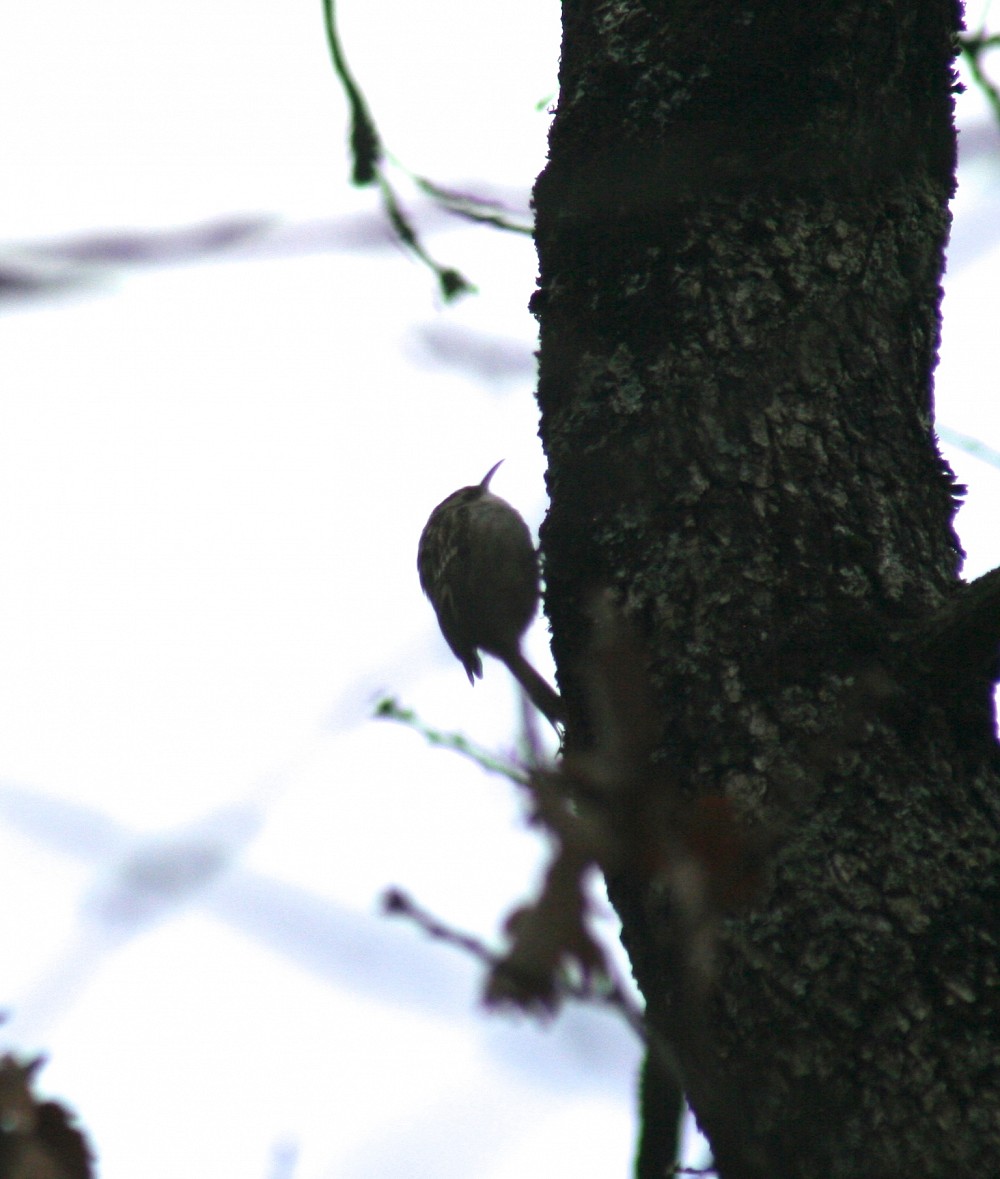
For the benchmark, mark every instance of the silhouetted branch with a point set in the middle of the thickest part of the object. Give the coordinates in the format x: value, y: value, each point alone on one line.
x: 473, y: 208
x: 366, y: 146
x: 368, y: 167
x: 963, y: 639
x: 608, y: 992
x: 390, y: 709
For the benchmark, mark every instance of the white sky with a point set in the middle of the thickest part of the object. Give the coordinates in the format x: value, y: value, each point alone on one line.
x: 212, y: 478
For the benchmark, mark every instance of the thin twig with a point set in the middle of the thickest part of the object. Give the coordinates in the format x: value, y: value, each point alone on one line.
x: 368, y: 167
x: 390, y: 709
x: 366, y: 146
x: 471, y: 207
x: 451, y: 281
x: 397, y: 903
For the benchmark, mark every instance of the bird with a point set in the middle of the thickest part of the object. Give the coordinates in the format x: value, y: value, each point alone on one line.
x: 479, y: 568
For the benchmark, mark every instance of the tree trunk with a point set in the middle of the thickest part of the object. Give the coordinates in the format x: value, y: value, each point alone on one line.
x: 740, y: 232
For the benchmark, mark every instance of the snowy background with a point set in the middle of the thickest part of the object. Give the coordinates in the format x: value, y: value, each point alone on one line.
x: 214, y: 467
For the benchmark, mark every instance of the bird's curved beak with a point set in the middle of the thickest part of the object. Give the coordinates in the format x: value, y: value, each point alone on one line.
x: 489, y: 475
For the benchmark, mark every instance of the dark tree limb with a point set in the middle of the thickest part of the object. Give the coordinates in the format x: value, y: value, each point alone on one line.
x: 963, y: 638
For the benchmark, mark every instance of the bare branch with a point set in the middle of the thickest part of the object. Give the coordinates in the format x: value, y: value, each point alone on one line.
x: 963, y: 639
x: 390, y: 709
x: 609, y: 992
x: 368, y: 167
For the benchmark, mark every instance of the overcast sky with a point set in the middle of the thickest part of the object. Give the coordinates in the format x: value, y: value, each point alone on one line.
x: 215, y: 466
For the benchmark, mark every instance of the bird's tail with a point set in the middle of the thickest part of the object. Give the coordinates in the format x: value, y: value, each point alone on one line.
x: 544, y: 697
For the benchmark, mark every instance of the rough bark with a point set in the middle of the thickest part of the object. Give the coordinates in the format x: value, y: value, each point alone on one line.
x: 740, y: 233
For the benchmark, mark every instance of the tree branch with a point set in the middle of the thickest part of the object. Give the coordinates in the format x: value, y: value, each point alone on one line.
x: 964, y: 637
